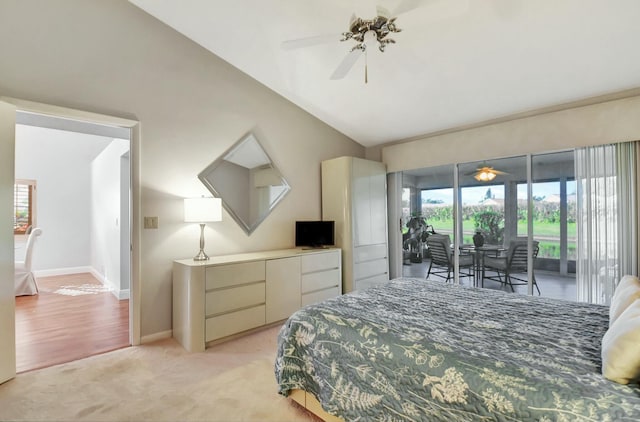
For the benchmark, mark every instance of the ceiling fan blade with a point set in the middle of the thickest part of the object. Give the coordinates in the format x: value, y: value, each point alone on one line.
x: 383, y: 11
x: 347, y: 63
x: 472, y: 173
x: 486, y: 170
x: 352, y: 19
x: 406, y: 6
x: 438, y: 9
x: 310, y: 41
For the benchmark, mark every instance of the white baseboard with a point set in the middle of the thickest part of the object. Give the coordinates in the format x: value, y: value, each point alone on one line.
x: 156, y: 336
x: 63, y: 271
x: 100, y: 278
x: 119, y: 294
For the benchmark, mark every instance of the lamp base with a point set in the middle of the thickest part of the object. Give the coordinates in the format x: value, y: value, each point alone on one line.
x: 201, y: 256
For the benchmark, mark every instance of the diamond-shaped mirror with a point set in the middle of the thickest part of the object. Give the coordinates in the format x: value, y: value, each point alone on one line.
x: 247, y: 182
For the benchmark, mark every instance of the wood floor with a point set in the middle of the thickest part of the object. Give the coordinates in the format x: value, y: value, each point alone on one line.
x: 71, y: 318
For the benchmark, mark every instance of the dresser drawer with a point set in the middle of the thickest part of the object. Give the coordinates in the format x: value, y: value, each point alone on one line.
x: 315, y: 297
x: 371, y: 281
x: 320, y: 280
x: 234, y: 322
x: 224, y: 300
x: 234, y: 274
x: 371, y: 268
x: 369, y: 252
x: 320, y: 261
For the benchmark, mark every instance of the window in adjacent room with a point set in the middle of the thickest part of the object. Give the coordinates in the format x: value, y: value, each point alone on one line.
x: 24, y: 192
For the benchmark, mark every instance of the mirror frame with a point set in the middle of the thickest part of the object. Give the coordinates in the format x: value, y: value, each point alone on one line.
x: 247, y: 226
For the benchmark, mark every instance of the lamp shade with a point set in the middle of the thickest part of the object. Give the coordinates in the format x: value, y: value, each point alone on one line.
x: 202, y: 210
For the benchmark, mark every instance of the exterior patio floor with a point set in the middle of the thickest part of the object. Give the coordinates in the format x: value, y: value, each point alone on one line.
x: 551, y: 284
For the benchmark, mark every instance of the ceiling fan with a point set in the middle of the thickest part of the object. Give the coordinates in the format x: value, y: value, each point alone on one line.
x: 367, y: 34
x: 485, y: 174
x: 374, y: 32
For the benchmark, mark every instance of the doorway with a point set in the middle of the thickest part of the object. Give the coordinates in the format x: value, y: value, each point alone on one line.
x: 83, y: 255
x: 8, y: 109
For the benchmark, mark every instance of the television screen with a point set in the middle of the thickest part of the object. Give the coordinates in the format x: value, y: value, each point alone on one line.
x: 314, y: 233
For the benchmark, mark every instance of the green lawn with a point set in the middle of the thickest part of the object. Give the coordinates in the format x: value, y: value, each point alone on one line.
x: 439, y: 225
x: 549, y: 248
x: 540, y: 228
x: 543, y: 228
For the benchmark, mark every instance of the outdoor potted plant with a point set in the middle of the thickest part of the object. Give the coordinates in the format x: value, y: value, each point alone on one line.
x: 491, y: 224
x: 416, y: 237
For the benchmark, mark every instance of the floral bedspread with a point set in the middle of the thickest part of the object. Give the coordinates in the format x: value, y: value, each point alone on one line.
x: 416, y: 350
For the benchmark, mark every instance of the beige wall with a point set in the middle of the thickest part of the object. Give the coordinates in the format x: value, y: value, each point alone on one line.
x: 7, y: 253
x: 110, y: 57
x: 607, y: 122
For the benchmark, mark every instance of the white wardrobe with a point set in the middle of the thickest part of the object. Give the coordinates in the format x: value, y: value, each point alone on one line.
x: 354, y: 195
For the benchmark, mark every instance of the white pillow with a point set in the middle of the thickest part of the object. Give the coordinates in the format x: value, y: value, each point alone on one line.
x: 627, y: 291
x: 621, y: 347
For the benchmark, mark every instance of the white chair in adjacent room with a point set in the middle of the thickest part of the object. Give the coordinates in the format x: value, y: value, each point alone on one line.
x: 25, y: 281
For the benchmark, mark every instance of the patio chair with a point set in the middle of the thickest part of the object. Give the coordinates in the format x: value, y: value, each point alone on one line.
x: 513, y: 262
x: 442, y: 262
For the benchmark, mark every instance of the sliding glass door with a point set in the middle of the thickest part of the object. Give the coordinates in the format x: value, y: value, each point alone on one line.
x: 427, y: 208
x: 554, y: 223
x: 532, y: 222
x: 488, y: 221
x: 515, y: 216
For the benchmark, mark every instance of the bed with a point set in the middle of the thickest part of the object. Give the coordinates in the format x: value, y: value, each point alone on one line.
x: 416, y: 350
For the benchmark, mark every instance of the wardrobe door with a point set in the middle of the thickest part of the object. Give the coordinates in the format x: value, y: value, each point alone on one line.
x: 378, y: 202
x: 361, y: 202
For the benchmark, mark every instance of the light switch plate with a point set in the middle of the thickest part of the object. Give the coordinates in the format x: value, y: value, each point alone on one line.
x: 151, y: 222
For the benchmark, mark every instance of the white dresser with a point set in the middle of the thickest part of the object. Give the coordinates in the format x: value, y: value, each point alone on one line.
x: 230, y: 294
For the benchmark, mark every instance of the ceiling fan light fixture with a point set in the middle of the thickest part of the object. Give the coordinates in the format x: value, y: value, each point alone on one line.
x: 485, y: 175
x: 370, y: 37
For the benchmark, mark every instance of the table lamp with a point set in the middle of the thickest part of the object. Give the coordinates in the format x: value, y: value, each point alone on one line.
x: 202, y: 210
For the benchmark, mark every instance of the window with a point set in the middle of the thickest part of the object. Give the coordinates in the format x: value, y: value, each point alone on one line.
x: 23, y: 205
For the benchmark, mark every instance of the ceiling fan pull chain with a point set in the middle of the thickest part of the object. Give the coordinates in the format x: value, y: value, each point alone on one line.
x: 366, y: 80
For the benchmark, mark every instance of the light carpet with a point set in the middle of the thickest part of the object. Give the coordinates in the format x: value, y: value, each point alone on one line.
x: 233, y: 381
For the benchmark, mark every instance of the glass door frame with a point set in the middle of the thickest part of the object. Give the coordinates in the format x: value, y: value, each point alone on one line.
x: 457, y: 223
x: 519, y: 203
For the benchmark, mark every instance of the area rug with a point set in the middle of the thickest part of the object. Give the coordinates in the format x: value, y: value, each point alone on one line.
x: 84, y: 289
x: 161, y: 382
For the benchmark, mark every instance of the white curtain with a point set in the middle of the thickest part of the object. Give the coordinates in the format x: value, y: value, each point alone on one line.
x: 607, y: 219
x: 628, y: 155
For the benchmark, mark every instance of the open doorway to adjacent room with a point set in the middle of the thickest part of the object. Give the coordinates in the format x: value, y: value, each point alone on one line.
x: 81, y: 200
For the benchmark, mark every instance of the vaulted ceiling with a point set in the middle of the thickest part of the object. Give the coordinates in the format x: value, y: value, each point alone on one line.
x: 455, y: 63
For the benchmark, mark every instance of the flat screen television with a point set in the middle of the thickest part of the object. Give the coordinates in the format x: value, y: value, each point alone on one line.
x: 314, y: 234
